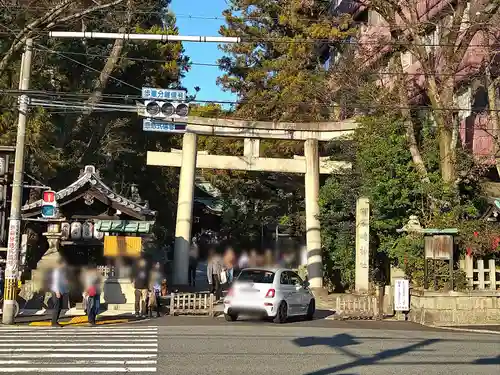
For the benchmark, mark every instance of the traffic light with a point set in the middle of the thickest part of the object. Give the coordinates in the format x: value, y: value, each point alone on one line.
x: 174, y: 111
x: 49, y: 204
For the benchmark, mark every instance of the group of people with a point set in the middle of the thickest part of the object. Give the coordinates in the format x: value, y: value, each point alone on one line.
x: 149, y: 285
x: 90, y: 279
x: 220, y: 270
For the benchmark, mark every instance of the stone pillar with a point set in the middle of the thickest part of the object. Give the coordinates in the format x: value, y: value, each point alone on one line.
x: 185, y: 209
x: 362, y: 245
x: 313, y: 233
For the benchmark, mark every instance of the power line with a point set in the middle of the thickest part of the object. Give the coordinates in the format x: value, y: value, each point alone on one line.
x: 247, y: 18
x: 347, y: 41
x: 143, y: 59
x: 89, y: 67
x: 35, y: 94
x: 120, y: 108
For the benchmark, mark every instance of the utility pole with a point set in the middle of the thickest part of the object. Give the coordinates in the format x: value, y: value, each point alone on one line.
x: 189, y: 149
x: 13, y: 242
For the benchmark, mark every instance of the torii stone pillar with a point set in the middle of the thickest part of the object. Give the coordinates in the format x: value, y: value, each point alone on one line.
x: 313, y: 233
x: 252, y: 131
x: 184, y: 219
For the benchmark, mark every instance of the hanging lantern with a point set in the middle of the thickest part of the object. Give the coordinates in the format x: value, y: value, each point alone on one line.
x: 97, y: 234
x: 76, y: 230
x: 87, y: 230
x: 65, y: 230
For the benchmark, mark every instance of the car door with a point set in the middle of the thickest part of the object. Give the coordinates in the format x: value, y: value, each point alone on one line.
x: 294, y: 296
x: 302, y: 295
x: 288, y: 291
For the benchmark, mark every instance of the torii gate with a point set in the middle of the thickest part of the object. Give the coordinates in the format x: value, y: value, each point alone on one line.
x: 252, y: 131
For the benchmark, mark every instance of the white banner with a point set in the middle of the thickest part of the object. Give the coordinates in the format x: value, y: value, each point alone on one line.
x: 401, y: 295
x: 12, y: 266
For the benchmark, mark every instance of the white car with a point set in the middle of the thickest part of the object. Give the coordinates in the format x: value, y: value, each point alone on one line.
x: 275, y: 293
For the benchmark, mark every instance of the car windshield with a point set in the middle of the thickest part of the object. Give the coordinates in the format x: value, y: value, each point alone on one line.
x: 256, y: 276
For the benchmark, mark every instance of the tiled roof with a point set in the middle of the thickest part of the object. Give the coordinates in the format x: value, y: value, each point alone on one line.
x: 90, y: 176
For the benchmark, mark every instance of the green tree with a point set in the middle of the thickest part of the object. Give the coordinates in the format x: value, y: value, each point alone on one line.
x: 277, y: 74
x: 60, y: 142
x: 385, y: 173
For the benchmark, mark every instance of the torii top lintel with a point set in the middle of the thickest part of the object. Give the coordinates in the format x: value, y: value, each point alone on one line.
x: 322, y: 131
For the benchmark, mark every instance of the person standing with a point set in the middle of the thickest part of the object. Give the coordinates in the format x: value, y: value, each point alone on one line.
x: 243, y: 260
x: 92, y: 294
x: 193, y: 263
x: 229, y: 263
x: 156, y: 279
x: 141, y: 285
x: 214, y: 269
x: 59, y: 289
x: 2, y: 282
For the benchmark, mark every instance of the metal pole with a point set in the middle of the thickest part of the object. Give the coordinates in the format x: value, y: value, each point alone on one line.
x: 160, y: 37
x: 13, y: 247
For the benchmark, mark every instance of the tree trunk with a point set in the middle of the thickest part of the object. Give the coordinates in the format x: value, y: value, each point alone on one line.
x: 495, y: 132
x: 447, y: 161
x: 408, y: 122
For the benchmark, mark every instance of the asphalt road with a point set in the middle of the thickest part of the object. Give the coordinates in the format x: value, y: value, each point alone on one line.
x: 307, y: 350
x: 198, y: 345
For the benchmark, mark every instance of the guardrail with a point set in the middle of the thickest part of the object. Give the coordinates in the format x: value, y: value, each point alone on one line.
x: 358, y: 307
x: 192, y: 304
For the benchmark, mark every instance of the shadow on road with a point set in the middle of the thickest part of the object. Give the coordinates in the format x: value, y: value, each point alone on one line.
x: 488, y: 361
x: 342, y: 342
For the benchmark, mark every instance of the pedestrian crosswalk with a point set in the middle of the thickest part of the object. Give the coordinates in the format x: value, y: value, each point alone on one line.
x: 78, y: 350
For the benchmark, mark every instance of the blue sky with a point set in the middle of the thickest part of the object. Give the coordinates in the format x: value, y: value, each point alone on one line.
x: 202, y: 76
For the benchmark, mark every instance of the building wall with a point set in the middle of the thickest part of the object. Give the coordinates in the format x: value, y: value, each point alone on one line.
x: 475, y: 129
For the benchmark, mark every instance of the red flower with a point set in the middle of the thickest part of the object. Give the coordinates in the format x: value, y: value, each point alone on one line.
x: 496, y: 243
x: 476, y: 234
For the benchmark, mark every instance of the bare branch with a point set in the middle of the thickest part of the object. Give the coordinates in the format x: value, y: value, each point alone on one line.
x: 47, y: 21
x: 477, y: 23
x: 410, y: 130
x: 27, y: 31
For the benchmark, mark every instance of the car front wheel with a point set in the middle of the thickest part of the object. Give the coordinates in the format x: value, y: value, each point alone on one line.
x: 311, y: 309
x: 230, y: 317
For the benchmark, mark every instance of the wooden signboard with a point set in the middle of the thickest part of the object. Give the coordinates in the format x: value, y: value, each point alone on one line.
x: 439, y: 247
x: 124, y: 246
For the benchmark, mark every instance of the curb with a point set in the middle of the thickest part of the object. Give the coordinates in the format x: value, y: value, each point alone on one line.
x: 463, y: 329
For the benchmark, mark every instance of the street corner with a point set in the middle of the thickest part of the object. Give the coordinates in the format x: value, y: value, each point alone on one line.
x: 83, y: 321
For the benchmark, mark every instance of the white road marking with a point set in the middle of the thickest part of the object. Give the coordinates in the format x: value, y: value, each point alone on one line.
x: 69, y: 350
x: 87, y: 340
x: 57, y: 370
x: 82, y: 355
x: 78, y: 350
x: 65, y: 345
x: 84, y: 362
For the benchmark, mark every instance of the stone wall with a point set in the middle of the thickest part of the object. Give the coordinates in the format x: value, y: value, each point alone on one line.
x: 455, y: 308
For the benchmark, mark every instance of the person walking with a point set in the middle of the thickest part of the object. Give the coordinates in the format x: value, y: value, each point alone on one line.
x: 229, y: 263
x: 243, y: 260
x: 2, y: 282
x: 156, y: 280
x: 141, y: 285
x: 214, y: 270
x: 59, y: 289
x: 92, y: 283
x: 193, y: 263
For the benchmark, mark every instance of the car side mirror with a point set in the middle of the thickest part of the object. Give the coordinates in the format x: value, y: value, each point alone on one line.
x: 305, y: 284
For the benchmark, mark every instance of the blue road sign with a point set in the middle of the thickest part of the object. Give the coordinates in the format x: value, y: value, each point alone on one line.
x: 151, y: 125
x: 168, y: 94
